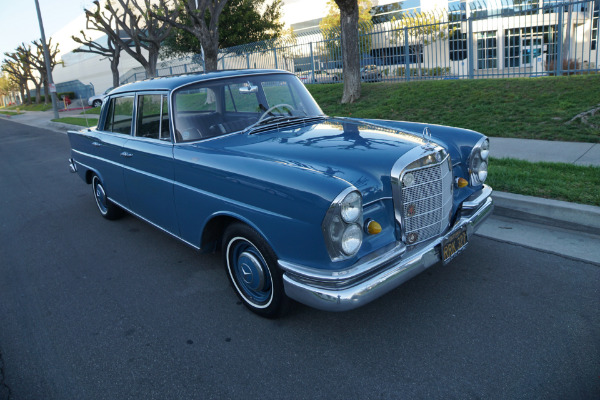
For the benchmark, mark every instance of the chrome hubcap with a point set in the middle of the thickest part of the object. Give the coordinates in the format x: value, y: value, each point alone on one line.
x: 249, y: 272
x: 252, y: 271
x: 100, y: 196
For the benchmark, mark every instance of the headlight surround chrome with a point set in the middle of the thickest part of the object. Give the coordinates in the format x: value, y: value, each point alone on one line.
x: 342, y: 225
x: 478, y: 162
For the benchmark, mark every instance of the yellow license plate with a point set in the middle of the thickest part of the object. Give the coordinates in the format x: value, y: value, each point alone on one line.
x: 454, y: 244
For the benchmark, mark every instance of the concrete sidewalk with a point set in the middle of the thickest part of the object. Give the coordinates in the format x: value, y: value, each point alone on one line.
x: 43, y: 119
x: 546, y: 150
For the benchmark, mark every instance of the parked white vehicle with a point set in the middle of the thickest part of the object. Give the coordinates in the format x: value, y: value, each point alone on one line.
x: 318, y: 77
x: 96, y: 101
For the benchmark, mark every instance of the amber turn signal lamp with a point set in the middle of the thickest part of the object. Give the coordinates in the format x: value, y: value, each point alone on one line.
x: 461, y: 182
x: 373, y: 228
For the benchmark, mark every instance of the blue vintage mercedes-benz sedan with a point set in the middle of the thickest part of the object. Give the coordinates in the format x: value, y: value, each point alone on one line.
x: 332, y: 212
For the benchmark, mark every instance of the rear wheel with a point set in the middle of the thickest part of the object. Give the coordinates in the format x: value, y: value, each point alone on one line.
x: 252, y: 269
x: 107, y: 209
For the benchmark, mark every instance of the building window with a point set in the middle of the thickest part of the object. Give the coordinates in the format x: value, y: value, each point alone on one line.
x: 512, y: 48
x: 487, y: 50
x: 595, y: 24
x: 457, y: 41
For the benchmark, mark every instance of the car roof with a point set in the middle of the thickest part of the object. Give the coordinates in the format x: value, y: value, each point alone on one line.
x: 174, y: 82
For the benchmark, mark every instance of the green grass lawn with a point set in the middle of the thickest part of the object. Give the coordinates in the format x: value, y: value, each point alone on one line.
x: 78, y: 121
x: 526, y: 108
x: 9, y: 112
x: 95, y: 110
x: 31, y: 107
x: 559, y: 181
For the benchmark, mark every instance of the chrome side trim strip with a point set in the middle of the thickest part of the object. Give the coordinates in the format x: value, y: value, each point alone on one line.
x: 153, y: 224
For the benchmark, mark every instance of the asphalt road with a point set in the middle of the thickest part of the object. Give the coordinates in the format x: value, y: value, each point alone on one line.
x: 93, y: 309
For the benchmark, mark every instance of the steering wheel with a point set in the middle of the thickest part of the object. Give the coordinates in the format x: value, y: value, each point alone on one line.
x: 276, y: 106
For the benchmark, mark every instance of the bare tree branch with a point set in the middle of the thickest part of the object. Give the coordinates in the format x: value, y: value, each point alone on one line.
x: 140, y: 26
x: 206, y: 33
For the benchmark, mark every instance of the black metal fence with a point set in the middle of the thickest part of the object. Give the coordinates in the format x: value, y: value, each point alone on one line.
x: 481, y: 39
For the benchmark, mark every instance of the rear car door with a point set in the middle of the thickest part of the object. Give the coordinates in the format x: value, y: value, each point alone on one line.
x: 108, y: 143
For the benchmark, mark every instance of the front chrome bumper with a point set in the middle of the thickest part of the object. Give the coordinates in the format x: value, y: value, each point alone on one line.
x: 371, y: 278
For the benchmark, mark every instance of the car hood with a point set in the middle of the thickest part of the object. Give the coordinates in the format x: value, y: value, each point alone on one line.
x: 359, y: 153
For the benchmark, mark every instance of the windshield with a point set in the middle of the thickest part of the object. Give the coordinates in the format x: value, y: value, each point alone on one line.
x: 218, y: 107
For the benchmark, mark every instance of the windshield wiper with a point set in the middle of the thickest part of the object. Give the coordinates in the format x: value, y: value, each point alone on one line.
x: 271, y: 120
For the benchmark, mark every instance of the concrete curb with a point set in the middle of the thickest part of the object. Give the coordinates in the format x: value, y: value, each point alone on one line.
x: 573, y: 216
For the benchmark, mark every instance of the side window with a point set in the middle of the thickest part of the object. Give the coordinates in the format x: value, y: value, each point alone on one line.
x: 240, y: 102
x: 196, y: 100
x: 149, y: 116
x: 120, y: 115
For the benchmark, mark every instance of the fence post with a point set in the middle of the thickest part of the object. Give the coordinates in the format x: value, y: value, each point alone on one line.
x: 470, y: 47
x: 312, y: 62
x: 247, y: 60
x: 559, y: 55
x: 275, y: 57
x: 406, y: 54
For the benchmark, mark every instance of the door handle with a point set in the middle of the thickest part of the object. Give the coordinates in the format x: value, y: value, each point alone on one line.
x: 96, y: 144
x: 126, y: 154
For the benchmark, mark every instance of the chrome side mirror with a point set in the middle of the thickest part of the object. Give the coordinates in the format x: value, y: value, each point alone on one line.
x: 248, y: 88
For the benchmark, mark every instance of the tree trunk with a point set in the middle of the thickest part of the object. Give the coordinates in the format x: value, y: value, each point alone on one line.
x: 28, y: 94
x: 114, y: 67
x: 150, y: 67
x: 350, y: 51
x: 211, y: 58
x: 22, y: 92
x: 38, y: 94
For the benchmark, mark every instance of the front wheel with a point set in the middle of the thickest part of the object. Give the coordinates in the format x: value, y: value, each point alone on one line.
x: 252, y: 270
x: 97, y: 103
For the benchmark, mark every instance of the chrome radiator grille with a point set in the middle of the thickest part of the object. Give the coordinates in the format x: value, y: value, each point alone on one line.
x: 426, y: 201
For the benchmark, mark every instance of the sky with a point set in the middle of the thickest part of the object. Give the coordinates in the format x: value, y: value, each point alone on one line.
x: 19, y: 22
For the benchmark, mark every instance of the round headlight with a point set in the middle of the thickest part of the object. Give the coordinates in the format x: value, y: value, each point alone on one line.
x: 485, y: 149
x: 478, y: 167
x: 351, y: 207
x: 482, y: 173
x: 478, y: 170
x: 351, y: 239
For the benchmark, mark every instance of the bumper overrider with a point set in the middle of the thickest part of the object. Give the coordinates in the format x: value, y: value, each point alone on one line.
x: 374, y: 275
